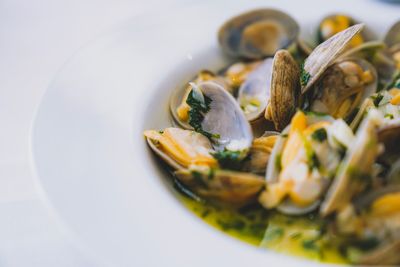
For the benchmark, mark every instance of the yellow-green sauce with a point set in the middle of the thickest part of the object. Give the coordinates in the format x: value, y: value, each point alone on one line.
x: 291, y: 235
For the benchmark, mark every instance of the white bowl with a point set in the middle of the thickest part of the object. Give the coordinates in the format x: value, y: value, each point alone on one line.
x: 95, y: 170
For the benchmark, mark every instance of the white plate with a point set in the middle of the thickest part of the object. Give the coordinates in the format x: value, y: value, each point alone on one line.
x: 88, y: 150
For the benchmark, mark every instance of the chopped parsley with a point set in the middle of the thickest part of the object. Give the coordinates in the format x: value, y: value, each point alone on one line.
x: 320, y: 135
x: 389, y: 116
x: 313, y: 162
x: 377, y: 99
x: 304, y: 76
x: 395, y: 81
x: 273, y: 233
x: 229, y: 159
x: 199, y: 105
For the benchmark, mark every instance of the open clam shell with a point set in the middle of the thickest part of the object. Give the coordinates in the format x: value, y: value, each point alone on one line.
x: 164, y: 156
x: 342, y: 89
x: 325, y: 54
x: 392, y: 37
x: 389, y: 136
x: 258, y: 33
x: 228, y: 186
x: 356, y: 167
x: 386, y: 254
x: 273, y: 170
x: 225, y: 119
x: 177, y: 102
x: 256, y: 90
x: 366, y: 50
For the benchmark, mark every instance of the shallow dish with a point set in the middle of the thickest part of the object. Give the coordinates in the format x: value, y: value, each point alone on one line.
x: 98, y: 176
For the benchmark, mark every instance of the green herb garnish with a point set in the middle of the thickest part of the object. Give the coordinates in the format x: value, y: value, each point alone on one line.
x: 304, y: 76
x: 199, y: 105
x: 320, y: 135
x: 389, y: 116
x: 377, y: 99
x: 229, y: 159
x: 274, y: 233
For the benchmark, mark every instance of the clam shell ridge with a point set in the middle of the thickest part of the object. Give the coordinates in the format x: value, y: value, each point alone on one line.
x: 326, y: 53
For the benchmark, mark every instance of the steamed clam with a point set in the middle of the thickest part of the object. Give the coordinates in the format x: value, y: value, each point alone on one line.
x: 336, y: 23
x: 325, y: 54
x: 355, y: 172
x: 376, y: 217
x: 177, y: 104
x: 303, y: 162
x: 308, y: 135
x: 343, y: 87
x: 221, y: 131
x: 272, y: 90
x: 257, y: 34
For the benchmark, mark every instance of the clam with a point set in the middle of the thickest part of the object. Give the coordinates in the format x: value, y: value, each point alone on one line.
x: 260, y: 153
x: 343, y: 87
x: 355, y: 171
x: 392, y: 37
x: 336, y: 23
x: 367, y: 50
x: 254, y: 93
x: 258, y: 33
x: 179, y: 109
x: 272, y: 90
x: 221, y: 128
x: 388, y: 62
x: 374, y: 216
x: 325, y: 54
x: 389, y: 136
x: 223, y: 185
x: 385, y: 102
x: 181, y: 148
x: 224, y: 119
x: 238, y: 72
x: 303, y: 161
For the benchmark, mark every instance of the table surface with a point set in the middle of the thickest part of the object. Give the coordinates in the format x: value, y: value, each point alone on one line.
x: 36, y: 38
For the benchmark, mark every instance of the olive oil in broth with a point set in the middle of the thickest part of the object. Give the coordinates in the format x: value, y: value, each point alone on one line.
x: 293, y: 235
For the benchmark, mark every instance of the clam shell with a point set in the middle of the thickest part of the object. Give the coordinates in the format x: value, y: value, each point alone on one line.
x: 326, y: 53
x: 272, y: 172
x: 181, y: 93
x: 392, y: 37
x: 285, y: 86
x: 359, y: 159
x: 225, y: 118
x: 246, y: 35
x: 385, y: 255
x: 257, y: 87
x: 389, y: 136
x: 228, y: 186
x: 339, y: 88
x: 172, y: 163
x: 366, y: 50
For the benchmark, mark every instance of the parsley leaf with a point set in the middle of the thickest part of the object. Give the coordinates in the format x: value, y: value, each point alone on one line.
x: 304, y: 76
x: 229, y: 159
x: 320, y: 135
x: 377, y: 99
x: 199, y: 105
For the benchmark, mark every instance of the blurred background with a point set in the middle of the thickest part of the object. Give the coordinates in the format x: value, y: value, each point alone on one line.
x: 36, y: 38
